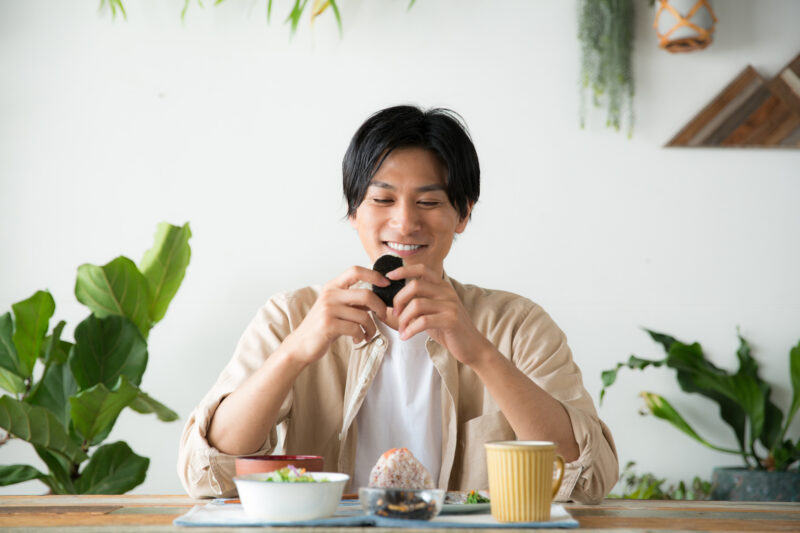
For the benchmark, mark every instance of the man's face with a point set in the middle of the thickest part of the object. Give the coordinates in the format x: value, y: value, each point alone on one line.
x: 405, y: 211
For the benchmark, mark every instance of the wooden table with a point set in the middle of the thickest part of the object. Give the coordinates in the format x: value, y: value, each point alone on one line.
x: 155, y: 513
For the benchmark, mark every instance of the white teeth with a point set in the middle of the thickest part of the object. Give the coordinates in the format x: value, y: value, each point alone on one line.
x: 403, y: 247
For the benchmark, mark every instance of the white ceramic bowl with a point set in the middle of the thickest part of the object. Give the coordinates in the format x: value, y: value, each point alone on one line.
x: 273, y: 501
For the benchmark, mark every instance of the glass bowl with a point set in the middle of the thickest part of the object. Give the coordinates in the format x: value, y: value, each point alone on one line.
x: 409, y: 504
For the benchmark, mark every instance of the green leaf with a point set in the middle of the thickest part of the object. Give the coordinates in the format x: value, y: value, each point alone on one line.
x: 106, y: 349
x: 8, y: 352
x: 38, y: 426
x: 11, y: 382
x: 145, y: 404
x: 747, y: 364
x: 766, y: 417
x: 31, y: 320
x: 750, y: 396
x: 12, y: 474
x: 662, y: 409
x: 54, y: 390
x: 296, y: 13
x: 115, y: 289
x: 56, y: 350
x: 164, y: 266
x: 698, y: 375
x: 337, y: 15
x: 665, y: 340
x: 634, y: 363
x: 60, y: 482
x: 794, y: 373
x: 773, y: 418
x: 784, y: 454
x: 95, y: 410
x: 113, y: 469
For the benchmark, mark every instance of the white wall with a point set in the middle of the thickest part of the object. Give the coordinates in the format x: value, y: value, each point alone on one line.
x: 108, y: 127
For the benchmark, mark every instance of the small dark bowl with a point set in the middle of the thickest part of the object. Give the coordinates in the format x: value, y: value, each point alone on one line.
x: 408, y: 504
x: 255, y: 464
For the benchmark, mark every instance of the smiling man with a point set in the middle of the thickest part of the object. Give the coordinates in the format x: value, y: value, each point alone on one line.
x: 445, y: 369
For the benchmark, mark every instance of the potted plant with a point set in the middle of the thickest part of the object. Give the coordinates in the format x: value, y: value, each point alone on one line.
x: 648, y: 486
x: 759, y: 426
x: 69, y: 407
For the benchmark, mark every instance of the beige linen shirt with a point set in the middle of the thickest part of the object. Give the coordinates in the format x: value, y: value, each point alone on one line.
x: 319, y: 414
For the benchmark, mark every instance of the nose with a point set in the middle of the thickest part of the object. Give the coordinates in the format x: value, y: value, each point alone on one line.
x: 405, y: 218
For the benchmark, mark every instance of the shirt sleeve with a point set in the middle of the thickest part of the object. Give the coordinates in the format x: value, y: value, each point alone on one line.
x: 204, y: 470
x: 542, y: 353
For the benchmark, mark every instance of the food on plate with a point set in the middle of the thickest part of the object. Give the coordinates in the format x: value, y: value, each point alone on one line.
x: 384, y: 265
x: 398, y: 468
x: 290, y: 474
x: 476, y: 497
x: 461, y: 497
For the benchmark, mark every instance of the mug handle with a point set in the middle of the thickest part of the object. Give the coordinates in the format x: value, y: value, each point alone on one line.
x: 557, y: 482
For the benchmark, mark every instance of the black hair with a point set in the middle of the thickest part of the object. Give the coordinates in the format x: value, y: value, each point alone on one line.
x: 438, y: 130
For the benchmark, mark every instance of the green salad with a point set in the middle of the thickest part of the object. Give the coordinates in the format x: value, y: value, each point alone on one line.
x: 474, y: 497
x: 290, y: 474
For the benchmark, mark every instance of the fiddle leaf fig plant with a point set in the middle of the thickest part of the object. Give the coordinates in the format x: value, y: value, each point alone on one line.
x: 69, y: 408
x: 744, y: 400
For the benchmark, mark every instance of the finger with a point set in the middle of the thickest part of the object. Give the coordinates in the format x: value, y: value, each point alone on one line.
x: 417, y: 308
x: 356, y: 316
x: 417, y: 271
x: 420, y: 324
x: 419, y: 289
x: 351, y: 329
x: 362, y: 298
x: 354, y: 274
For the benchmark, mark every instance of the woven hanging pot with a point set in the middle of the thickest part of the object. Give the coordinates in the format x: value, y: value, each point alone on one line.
x: 684, y: 25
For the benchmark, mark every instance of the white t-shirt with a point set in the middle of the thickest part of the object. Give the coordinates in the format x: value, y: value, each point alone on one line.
x: 402, y: 409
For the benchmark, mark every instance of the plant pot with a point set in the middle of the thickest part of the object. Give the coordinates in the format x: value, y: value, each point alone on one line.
x: 684, y: 25
x: 742, y: 484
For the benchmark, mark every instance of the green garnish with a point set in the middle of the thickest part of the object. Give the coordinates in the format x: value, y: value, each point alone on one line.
x: 291, y: 474
x: 474, y: 497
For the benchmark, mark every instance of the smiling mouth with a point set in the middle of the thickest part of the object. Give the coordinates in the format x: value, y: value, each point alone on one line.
x: 403, y: 247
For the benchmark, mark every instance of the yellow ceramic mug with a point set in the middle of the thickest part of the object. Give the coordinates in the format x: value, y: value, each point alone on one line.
x: 521, y: 481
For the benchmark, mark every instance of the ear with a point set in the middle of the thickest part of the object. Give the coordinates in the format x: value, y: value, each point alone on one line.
x: 462, y: 222
x: 352, y: 219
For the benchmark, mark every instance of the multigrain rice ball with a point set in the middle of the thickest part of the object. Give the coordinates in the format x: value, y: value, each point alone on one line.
x: 399, y: 468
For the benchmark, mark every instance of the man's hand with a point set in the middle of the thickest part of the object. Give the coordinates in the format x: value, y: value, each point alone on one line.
x: 429, y: 303
x: 339, y: 310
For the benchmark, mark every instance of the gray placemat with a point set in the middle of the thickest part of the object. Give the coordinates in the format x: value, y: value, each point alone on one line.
x: 350, y: 514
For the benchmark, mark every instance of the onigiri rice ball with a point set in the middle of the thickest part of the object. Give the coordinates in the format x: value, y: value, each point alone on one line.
x: 398, y: 468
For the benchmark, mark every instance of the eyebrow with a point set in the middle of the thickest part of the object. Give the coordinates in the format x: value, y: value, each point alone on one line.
x: 424, y: 188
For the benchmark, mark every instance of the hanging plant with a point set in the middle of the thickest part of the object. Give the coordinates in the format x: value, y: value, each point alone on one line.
x: 605, y: 31
x: 293, y: 19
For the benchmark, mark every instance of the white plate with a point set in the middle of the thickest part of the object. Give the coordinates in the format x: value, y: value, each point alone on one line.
x: 465, y: 508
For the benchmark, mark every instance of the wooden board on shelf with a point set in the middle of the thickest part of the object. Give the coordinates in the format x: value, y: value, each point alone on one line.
x: 751, y: 112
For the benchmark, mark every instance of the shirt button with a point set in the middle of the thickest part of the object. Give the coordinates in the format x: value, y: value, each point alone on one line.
x: 379, y: 342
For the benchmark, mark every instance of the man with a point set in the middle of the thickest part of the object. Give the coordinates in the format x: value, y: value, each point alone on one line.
x: 445, y: 369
